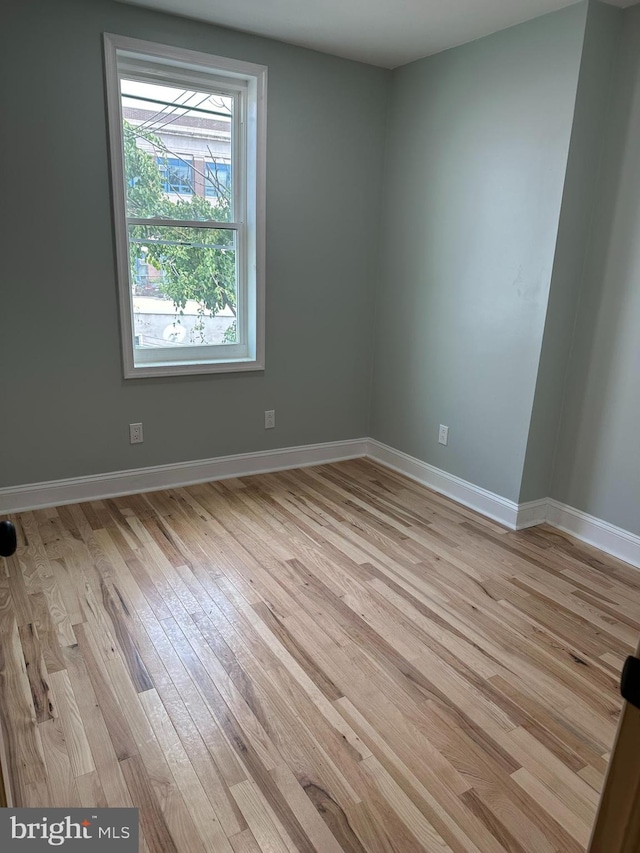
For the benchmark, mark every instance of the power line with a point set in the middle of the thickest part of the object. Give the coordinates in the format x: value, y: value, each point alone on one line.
x: 158, y: 128
x: 156, y: 115
x: 171, y: 104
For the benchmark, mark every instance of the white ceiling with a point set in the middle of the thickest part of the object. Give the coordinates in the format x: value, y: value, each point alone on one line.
x: 382, y: 32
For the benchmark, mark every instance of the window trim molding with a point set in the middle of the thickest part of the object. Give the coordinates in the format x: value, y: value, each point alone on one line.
x: 254, y: 225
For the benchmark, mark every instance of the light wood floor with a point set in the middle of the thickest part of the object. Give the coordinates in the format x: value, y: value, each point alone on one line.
x: 331, y: 659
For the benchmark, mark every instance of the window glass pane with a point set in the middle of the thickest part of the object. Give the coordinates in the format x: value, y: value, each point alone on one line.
x: 177, y: 175
x: 177, y: 152
x: 217, y: 178
x: 184, y: 285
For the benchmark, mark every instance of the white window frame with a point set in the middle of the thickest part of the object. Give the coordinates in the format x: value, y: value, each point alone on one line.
x: 248, y: 83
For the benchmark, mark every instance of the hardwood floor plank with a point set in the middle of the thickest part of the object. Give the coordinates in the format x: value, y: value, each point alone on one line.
x: 36, y: 671
x: 303, y: 807
x: 242, y: 728
x: 22, y: 745
x: 47, y: 632
x: 204, y: 816
x: 65, y: 574
x: 91, y: 793
x: 260, y: 821
x: 576, y: 795
x: 492, y: 822
x: 226, y: 763
x: 60, y: 774
x: 391, y: 795
x: 103, y: 749
x: 553, y: 806
x: 152, y: 822
x: 18, y: 591
x: 57, y: 611
x: 245, y: 842
x: 118, y: 611
x: 75, y: 735
x: 155, y: 763
x: 115, y: 717
x: 426, y: 784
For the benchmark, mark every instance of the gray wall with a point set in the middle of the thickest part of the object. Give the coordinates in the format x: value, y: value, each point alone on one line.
x: 585, y: 155
x: 476, y: 158
x: 598, y: 458
x: 66, y: 406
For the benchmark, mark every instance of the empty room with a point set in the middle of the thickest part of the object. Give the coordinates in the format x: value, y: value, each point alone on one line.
x: 319, y: 460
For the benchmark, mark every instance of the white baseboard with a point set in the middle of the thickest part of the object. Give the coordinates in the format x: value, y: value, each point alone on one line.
x: 487, y: 503
x: 99, y: 486
x: 532, y: 513
x: 607, y: 537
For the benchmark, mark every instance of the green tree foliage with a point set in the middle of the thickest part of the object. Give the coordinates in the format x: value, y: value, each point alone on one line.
x: 198, y: 263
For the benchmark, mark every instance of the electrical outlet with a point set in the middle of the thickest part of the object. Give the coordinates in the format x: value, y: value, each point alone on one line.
x: 443, y: 435
x: 135, y: 434
x: 270, y: 419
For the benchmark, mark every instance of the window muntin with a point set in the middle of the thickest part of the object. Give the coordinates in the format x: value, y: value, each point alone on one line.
x: 191, y: 151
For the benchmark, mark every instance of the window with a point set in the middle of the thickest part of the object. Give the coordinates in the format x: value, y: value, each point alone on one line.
x: 177, y: 175
x: 187, y: 134
x: 218, y: 178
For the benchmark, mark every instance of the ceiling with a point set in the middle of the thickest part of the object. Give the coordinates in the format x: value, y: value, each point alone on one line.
x: 382, y: 32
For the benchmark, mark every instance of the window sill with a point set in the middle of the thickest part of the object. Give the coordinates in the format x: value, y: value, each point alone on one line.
x: 191, y: 368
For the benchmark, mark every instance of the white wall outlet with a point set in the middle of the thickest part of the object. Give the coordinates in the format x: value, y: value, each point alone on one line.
x: 443, y: 434
x: 135, y: 434
x: 270, y: 419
